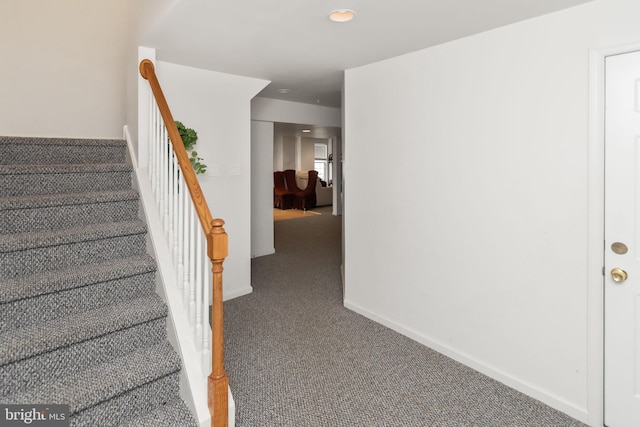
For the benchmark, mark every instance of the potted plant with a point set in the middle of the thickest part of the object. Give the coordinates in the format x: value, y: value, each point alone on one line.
x: 189, y: 138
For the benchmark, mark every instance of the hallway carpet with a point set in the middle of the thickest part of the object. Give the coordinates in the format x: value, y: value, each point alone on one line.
x: 296, y: 357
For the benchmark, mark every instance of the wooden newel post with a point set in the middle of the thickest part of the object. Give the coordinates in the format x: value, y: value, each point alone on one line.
x: 217, y: 250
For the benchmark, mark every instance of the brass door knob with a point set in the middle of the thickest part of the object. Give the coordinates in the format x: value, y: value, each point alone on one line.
x: 618, y: 275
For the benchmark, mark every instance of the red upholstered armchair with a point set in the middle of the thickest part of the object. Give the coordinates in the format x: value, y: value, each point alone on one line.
x: 306, y: 199
x: 290, y: 178
x: 283, y: 198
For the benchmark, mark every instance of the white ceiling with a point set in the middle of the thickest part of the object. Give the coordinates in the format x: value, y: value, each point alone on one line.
x: 293, y: 44
x: 306, y: 131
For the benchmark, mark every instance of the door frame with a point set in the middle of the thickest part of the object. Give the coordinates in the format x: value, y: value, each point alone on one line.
x: 595, y: 232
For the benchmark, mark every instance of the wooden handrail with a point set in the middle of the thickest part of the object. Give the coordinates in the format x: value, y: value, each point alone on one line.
x: 217, y: 251
x: 147, y: 70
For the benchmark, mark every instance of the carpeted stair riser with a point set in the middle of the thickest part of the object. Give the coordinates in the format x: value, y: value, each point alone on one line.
x: 123, y: 408
x: 104, y: 381
x: 42, y: 213
x: 37, y: 259
x: 64, y: 279
x: 174, y: 413
x: 26, y: 312
x: 19, y: 263
x: 48, y: 367
x: 59, y: 179
x: 20, y: 150
x: 21, y: 343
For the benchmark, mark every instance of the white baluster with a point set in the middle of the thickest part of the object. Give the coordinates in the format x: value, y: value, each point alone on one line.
x: 161, y: 150
x: 192, y: 268
x: 180, y: 231
x: 171, y: 201
x: 152, y: 119
x: 188, y: 217
x: 157, y: 148
x: 156, y: 162
x: 152, y: 143
x: 175, y: 198
x: 199, y: 286
x: 165, y: 184
x: 206, y: 326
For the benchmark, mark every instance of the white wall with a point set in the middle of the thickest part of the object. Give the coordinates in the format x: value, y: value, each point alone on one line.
x: 306, y: 154
x: 274, y: 110
x: 284, y: 151
x: 262, y: 147
x: 62, y: 68
x: 277, y: 152
x: 476, y: 244
x: 217, y: 106
x: 142, y: 16
x: 288, y: 152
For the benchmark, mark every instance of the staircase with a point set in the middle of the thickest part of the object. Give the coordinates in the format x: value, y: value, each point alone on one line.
x: 80, y: 321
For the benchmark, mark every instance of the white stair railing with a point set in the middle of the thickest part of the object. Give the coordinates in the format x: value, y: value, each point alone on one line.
x: 197, y: 243
x: 183, y: 233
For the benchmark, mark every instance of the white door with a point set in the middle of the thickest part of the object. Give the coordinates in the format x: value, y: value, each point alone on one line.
x: 622, y: 241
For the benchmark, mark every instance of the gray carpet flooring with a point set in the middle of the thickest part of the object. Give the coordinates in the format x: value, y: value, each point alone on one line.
x: 296, y: 357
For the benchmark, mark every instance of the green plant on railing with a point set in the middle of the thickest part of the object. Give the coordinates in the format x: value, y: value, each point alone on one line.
x: 189, y: 138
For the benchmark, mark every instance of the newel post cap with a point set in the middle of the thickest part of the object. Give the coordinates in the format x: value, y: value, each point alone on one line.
x: 218, y: 241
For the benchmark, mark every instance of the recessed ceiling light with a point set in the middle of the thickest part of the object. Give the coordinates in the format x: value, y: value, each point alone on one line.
x: 342, y: 15
x: 306, y: 130
x: 283, y: 90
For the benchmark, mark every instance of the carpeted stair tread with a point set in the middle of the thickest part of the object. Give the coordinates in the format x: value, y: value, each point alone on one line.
x: 14, y: 150
x: 129, y: 405
x: 25, y: 312
x: 60, y: 280
x: 55, y: 211
x: 174, y: 413
x: 59, y: 169
x: 36, y: 339
x: 107, y: 380
x: 66, y: 361
x: 51, y: 200
x: 34, y: 140
x: 22, y: 241
x: 25, y: 179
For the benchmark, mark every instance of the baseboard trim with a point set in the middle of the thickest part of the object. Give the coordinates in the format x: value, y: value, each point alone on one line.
x: 238, y: 293
x: 537, y: 393
x: 264, y: 253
